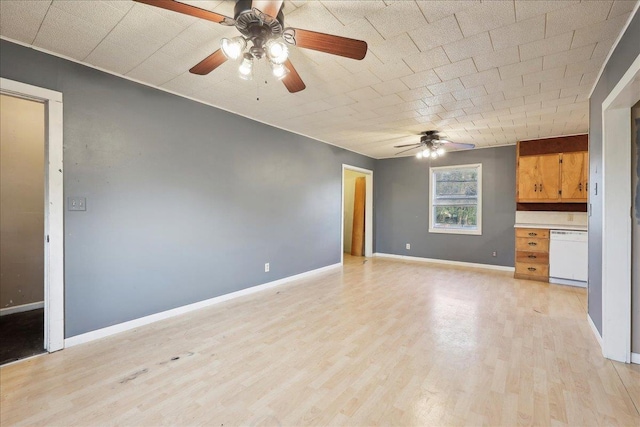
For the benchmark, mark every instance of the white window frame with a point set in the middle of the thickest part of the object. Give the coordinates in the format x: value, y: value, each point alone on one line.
x: 432, y: 183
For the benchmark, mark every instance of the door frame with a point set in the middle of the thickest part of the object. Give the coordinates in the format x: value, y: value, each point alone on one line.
x: 368, y: 211
x: 616, y: 215
x: 53, y: 239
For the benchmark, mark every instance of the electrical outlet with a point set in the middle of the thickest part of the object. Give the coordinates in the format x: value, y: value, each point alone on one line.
x: 77, y: 204
x: 494, y: 253
x: 266, y: 267
x: 408, y: 246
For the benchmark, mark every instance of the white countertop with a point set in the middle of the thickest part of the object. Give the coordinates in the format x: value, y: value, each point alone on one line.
x: 552, y: 226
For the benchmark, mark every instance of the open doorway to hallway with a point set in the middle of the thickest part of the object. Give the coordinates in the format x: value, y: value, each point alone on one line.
x: 357, y: 211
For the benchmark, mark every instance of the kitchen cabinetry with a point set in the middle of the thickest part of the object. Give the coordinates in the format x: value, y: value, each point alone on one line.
x: 532, y: 254
x: 553, y: 178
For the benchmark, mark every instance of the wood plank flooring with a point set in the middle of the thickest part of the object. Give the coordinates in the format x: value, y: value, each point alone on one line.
x: 383, y: 342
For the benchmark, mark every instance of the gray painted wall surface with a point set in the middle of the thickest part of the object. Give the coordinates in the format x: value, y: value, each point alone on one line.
x: 635, y: 228
x: 402, y: 208
x: 184, y: 201
x: 626, y: 51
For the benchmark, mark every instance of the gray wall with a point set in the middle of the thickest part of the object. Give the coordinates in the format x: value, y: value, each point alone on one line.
x: 184, y: 201
x: 402, y: 208
x: 635, y: 228
x: 626, y: 51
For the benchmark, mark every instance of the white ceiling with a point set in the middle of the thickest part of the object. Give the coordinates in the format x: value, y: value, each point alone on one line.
x: 487, y: 73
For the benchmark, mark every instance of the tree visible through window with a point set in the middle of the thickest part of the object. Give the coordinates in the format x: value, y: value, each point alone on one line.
x: 455, y: 199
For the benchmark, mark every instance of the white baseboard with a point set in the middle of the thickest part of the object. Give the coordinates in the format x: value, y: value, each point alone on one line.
x: 568, y: 282
x: 21, y: 308
x: 136, y: 323
x: 447, y: 262
x: 595, y: 330
x: 635, y: 358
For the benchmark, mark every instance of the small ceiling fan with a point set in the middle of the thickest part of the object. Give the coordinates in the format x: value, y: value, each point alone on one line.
x: 261, y: 23
x: 431, y: 146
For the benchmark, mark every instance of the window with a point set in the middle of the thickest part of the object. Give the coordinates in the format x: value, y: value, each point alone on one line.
x: 455, y: 199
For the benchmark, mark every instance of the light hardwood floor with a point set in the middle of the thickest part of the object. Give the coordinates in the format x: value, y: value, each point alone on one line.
x: 383, y: 342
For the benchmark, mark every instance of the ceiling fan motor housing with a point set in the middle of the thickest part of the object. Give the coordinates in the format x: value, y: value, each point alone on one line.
x: 253, y: 26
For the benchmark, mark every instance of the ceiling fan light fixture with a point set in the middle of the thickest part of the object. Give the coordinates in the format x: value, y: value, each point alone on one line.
x: 232, y: 48
x: 440, y: 151
x: 434, y: 154
x: 279, y: 70
x: 245, y: 71
x: 426, y: 152
x: 419, y: 155
x: 277, y: 51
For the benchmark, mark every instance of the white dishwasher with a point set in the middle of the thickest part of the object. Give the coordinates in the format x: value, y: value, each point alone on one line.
x: 568, y: 258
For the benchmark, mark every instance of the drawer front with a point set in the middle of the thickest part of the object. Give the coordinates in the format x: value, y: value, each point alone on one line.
x: 529, y: 269
x: 532, y: 257
x: 538, y: 233
x: 532, y: 244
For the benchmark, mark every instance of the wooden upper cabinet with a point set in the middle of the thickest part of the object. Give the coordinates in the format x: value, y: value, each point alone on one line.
x: 539, y: 178
x: 575, y: 172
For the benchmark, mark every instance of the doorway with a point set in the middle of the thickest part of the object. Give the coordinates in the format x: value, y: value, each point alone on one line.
x: 357, y: 211
x: 31, y: 238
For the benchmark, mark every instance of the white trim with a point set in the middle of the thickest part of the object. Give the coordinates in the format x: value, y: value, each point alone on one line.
x: 635, y: 358
x: 616, y: 215
x: 446, y: 262
x: 21, y: 308
x: 54, y: 209
x: 554, y: 136
x: 136, y: 323
x: 568, y: 282
x: 432, y: 182
x: 615, y: 44
x: 368, y: 212
x: 86, y: 64
x: 594, y: 330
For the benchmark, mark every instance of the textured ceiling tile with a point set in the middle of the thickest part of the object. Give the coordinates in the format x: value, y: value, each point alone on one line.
x: 508, y: 103
x: 363, y: 94
x: 621, y: 7
x: 20, y: 20
x: 395, y: 48
x: 560, y: 83
x: 559, y: 101
x: 446, y: 87
x: 456, y: 69
x: 421, y: 79
x: 150, y: 74
x: 522, y: 91
x: 548, y: 46
x: 391, y: 71
x: 427, y: 60
x: 519, y: 33
x: 588, y: 66
x: 577, y: 16
x: 525, y: 67
x: 349, y: 11
x: 97, y: 13
x: 430, y: 36
x: 113, y: 57
x: 438, y: 99
x: 62, y: 32
x: 399, y: 17
x: 469, y: 93
x: 413, y: 94
x: 466, y: 48
x: 545, y: 75
x: 526, y: 9
x: 497, y: 58
x: 603, y: 30
x: 389, y: 87
x: 539, y: 97
x: 602, y: 48
x: 481, y: 78
x: 457, y: 105
x: 437, y: 10
x: 486, y: 16
x: 504, y: 84
x: 488, y: 99
x: 568, y: 57
x: 576, y: 90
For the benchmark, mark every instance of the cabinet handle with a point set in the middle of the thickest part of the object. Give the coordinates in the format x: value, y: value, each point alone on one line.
x: 532, y: 269
x: 532, y: 256
x: 535, y: 188
x: 586, y: 186
x: 532, y: 234
x: 540, y: 187
x: 533, y: 244
x: 580, y: 186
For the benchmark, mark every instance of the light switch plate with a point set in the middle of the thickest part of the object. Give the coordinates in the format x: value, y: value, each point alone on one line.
x: 77, y: 204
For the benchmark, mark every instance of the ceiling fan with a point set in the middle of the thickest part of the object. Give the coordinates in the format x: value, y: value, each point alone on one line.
x: 261, y: 22
x: 431, y: 146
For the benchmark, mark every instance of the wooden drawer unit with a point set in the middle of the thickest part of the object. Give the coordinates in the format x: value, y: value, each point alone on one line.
x: 532, y: 254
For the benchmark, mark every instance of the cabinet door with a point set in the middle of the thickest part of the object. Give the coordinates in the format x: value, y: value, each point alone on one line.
x: 573, y: 184
x: 585, y: 176
x: 548, y: 178
x: 528, y: 178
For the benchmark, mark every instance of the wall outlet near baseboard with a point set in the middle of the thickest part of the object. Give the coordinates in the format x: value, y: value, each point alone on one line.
x: 266, y: 267
x: 494, y: 253
x: 408, y: 246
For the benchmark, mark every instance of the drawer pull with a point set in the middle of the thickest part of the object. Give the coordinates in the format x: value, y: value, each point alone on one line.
x: 532, y: 234
x: 533, y: 244
x: 532, y: 269
x: 532, y: 256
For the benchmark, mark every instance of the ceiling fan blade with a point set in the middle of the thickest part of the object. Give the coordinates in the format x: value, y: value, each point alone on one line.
x: 268, y: 7
x: 404, y: 151
x: 407, y: 145
x: 190, y: 10
x: 292, y: 80
x: 457, y: 144
x: 328, y: 43
x: 209, y: 63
